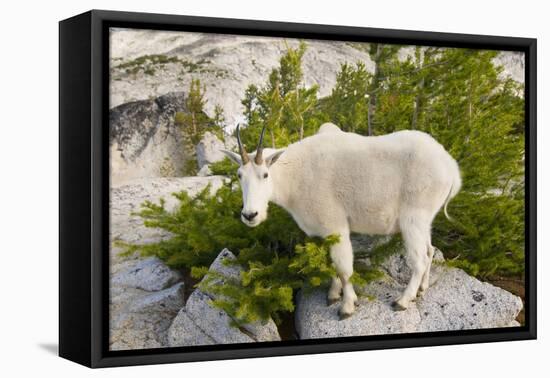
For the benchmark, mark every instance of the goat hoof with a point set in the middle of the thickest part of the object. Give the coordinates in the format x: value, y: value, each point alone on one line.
x: 396, y: 306
x: 331, y: 301
x: 420, y: 293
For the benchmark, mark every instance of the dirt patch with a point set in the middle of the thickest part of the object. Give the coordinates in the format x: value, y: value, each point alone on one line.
x: 189, y: 283
x: 287, y: 328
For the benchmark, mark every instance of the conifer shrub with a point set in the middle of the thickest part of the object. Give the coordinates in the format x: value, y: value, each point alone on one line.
x: 277, y: 258
x: 223, y: 167
x: 462, y: 99
x: 456, y: 95
x: 266, y: 287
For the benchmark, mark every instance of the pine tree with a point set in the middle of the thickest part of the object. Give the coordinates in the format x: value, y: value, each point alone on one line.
x: 419, y: 96
x: 283, y: 104
x: 193, y: 123
x: 382, y: 56
x: 219, y: 122
x: 458, y: 97
x: 194, y: 120
x: 476, y: 115
x: 347, y: 106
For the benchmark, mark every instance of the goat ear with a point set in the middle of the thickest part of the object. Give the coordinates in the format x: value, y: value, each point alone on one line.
x: 233, y: 156
x: 271, y: 159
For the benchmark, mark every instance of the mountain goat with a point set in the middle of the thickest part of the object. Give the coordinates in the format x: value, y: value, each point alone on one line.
x: 336, y: 182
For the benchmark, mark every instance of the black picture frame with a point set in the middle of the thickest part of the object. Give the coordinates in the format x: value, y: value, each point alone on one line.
x: 84, y: 188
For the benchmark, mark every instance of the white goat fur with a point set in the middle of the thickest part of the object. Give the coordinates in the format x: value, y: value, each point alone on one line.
x: 336, y: 182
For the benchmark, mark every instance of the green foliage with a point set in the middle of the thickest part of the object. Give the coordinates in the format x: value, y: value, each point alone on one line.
x: 365, y: 273
x: 204, y: 224
x: 266, y: 289
x: 312, y: 260
x: 384, y: 58
x: 487, y: 241
x: 219, y: 122
x: 193, y: 123
x: 195, y: 120
x: 283, y: 104
x: 224, y: 167
x: 194, y: 66
x: 347, y: 106
x: 381, y: 249
x: 198, y: 272
x: 149, y: 63
x: 477, y: 115
x: 456, y: 95
x: 276, y: 256
x: 191, y: 165
x: 179, y: 118
x: 459, y: 97
x: 145, y: 63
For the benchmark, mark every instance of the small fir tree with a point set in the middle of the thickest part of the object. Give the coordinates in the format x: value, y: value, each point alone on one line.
x: 193, y: 123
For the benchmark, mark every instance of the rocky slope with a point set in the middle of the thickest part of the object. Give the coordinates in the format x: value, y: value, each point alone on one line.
x: 454, y: 301
x: 146, y: 142
x: 148, y: 307
x: 144, y: 139
x: 145, y: 295
x: 227, y: 64
x: 200, y: 323
x: 151, y: 72
x: 125, y: 199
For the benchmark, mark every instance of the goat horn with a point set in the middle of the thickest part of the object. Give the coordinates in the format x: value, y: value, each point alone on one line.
x: 258, y: 159
x: 242, y: 151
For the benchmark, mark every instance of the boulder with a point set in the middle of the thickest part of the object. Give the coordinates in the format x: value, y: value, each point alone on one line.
x: 454, y: 301
x: 212, y: 321
x: 149, y: 274
x: 204, y: 171
x: 126, y: 199
x: 396, y: 266
x: 141, y: 319
x: 145, y: 295
x: 365, y: 243
x: 184, y: 332
x: 200, y: 323
x: 314, y: 319
x: 459, y: 301
x: 209, y: 149
x: 145, y: 140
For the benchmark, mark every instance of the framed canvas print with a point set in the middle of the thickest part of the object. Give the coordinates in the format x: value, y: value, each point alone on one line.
x: 234, y: 188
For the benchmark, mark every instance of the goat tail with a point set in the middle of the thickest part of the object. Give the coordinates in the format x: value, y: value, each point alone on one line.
x: 455, y: 187
x: 446, y: 203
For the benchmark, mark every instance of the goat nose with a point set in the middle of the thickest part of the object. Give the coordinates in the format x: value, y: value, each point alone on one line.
x: 249, y: 216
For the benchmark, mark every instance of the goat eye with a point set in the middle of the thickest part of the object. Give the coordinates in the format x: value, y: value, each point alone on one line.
x: 239, y: 175
x: 265, y: 175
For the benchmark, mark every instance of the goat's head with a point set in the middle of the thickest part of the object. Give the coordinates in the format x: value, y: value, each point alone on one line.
x: 255, y: 178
